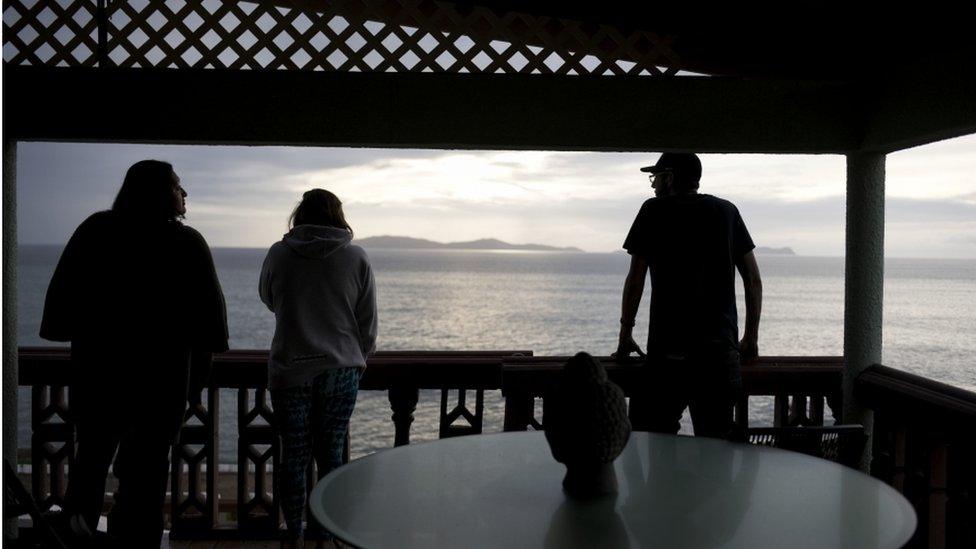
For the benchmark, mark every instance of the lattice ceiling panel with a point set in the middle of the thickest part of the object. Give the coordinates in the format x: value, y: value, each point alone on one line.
x: 61, y: 33
x: 346, y: 35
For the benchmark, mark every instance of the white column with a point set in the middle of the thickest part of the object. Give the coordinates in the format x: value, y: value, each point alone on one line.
x: 864, y: 274
x: 9, y: 311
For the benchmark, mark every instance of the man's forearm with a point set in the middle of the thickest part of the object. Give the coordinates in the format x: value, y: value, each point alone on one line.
x: 633, y: 290
x: 752, y: 284
x: 753, y: 295
x: 630, y: 302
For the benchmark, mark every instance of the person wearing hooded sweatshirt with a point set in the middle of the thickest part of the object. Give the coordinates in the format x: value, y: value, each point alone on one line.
x: 321, y: 290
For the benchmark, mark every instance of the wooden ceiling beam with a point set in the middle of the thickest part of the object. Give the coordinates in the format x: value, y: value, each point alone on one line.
x: 430, y: 110
x: 922, y: 103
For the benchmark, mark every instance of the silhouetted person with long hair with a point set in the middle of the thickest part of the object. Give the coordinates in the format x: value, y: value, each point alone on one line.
x: 136, y: 294
x: 321, y: 290
x: 692, y: 245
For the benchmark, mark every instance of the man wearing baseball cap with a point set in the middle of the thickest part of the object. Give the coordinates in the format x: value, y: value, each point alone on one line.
x: 691, y: 244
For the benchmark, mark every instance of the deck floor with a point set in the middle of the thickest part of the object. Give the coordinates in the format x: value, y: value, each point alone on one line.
x: 211, y: 544
x: 219, y: 544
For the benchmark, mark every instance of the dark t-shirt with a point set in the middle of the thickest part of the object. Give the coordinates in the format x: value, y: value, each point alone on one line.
x: 691, y: 243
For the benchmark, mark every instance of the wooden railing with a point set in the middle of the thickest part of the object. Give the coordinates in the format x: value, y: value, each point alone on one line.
x: 800, y: 386
x: 924, y: 445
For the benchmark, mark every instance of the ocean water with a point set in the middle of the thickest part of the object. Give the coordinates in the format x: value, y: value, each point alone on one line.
x: 558, y: 303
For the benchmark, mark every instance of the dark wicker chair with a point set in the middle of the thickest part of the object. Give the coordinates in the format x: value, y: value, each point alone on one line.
x: 839, y: 443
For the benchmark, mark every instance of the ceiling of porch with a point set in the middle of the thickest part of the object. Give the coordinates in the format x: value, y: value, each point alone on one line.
x: 485, y: 74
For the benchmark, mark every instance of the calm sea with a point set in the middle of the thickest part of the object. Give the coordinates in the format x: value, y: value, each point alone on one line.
x: 560, y: 303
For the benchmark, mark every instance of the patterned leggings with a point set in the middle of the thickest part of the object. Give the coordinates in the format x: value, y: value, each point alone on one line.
x: 312, y: 420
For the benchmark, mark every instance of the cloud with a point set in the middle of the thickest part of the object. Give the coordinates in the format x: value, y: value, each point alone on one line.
x: 913, y: 227
x: 241, y: 196
x: 938, y: 239
x: 898, y: 210
x: 939, y: 170
x: 832, y: 210
x: 967, y: 238
x: 968, y: 198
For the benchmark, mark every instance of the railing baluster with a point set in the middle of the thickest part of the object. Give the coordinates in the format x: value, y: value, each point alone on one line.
x: 474, y: 419
x: 39, y: 473
x: 403, y: 402
x: 899, y: 463
x: 243, y: 405
x: 938, y: 495
x: 817, y: 410
x: 781, y: 410
x: 213, y: 454
x: 798, y: 411
x: 52, y: 444
x: 519, y: 409
x: 195, y: 514
x: 741, y: 413
x: 257, y: 513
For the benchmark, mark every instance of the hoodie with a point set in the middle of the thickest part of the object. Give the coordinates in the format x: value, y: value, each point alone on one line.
x: 321, y: 290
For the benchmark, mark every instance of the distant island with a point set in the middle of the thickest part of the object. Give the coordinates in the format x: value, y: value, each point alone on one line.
x: 407, y: 243
x: 387, y: 242
x: 775, y: 251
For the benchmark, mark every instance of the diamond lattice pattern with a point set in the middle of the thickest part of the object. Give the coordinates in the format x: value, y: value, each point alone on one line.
x: 345, y: 35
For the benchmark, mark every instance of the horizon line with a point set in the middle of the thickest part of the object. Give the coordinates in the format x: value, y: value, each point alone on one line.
x: 619, y: 251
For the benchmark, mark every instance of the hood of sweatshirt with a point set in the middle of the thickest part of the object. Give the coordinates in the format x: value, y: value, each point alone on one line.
x: 316, y: 241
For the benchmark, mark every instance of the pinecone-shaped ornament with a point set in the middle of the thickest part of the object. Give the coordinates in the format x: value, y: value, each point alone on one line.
x: 585, y: 419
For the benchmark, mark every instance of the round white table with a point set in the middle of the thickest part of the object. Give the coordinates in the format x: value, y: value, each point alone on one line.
x: 504, y: 490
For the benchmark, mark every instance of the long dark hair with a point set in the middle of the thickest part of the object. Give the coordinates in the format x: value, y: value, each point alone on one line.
x: 319, y: 207
x: 147, y: 192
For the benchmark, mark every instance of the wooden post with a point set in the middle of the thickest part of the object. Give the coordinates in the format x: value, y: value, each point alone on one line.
x: 10, y: 314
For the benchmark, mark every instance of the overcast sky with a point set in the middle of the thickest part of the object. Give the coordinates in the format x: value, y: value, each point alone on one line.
x: 241, y: 196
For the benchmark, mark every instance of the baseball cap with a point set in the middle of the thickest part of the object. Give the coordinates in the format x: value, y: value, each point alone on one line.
x: 686, y: 164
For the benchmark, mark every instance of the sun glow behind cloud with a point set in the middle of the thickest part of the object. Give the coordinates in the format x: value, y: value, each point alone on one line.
x: 485, y: 179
